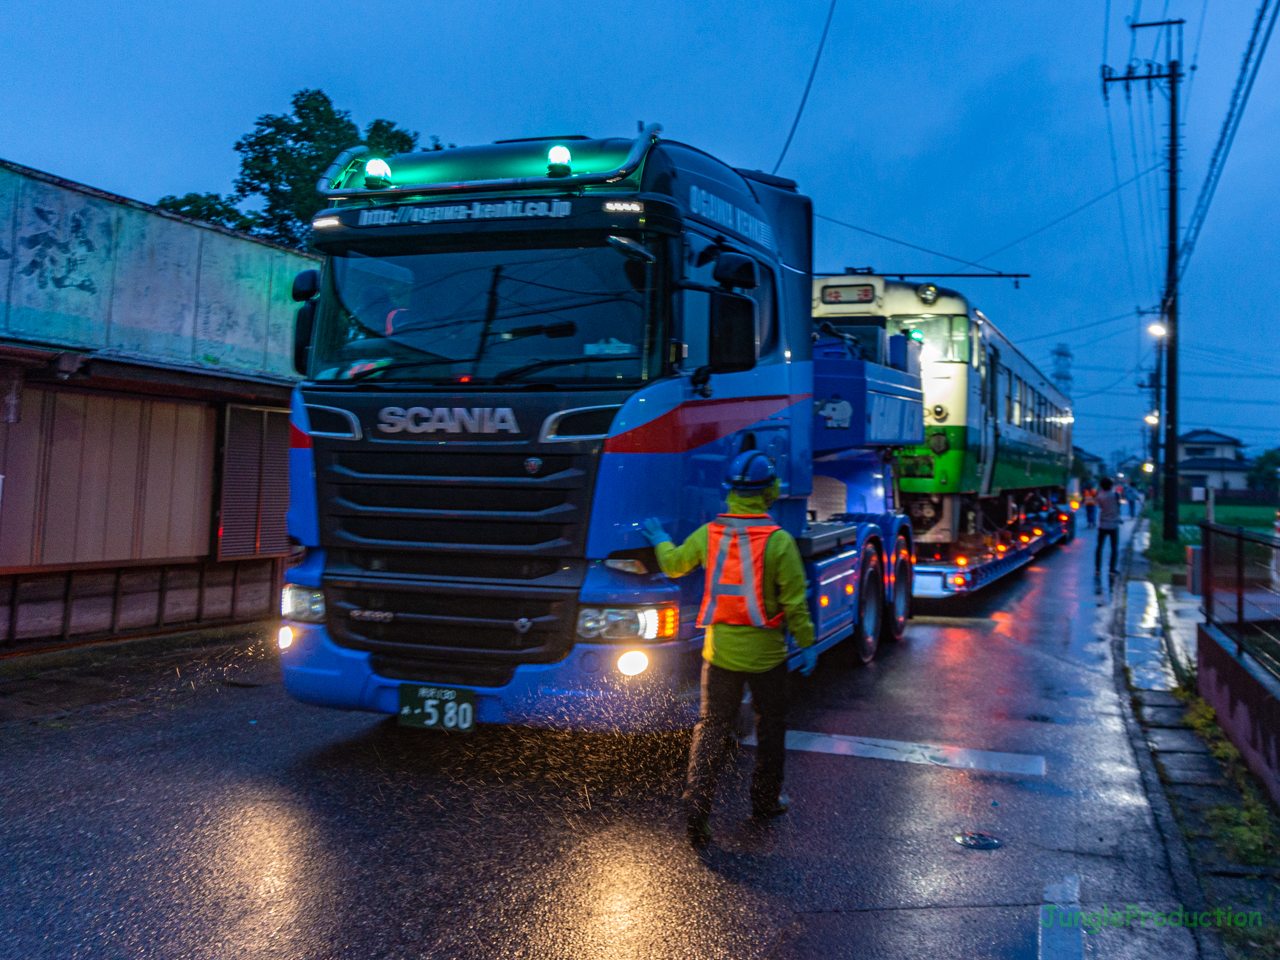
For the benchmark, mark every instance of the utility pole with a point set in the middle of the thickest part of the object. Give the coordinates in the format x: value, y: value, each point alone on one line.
x: 1172, y: 72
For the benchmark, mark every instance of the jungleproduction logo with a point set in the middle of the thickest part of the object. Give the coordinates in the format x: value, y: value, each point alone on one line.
x: 1094, y: 920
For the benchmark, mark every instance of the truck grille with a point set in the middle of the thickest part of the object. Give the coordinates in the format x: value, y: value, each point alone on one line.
x: 432, y: 621
x: 467, y: 502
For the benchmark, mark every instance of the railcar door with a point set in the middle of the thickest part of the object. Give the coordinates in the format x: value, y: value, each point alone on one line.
x: 990, y: 425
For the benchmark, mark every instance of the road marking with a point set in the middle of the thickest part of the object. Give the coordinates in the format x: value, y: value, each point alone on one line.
x: 927, y: 753
x: 1061, y: 936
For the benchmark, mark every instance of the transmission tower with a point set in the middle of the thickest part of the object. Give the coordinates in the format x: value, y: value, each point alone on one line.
x: 1062, y: 378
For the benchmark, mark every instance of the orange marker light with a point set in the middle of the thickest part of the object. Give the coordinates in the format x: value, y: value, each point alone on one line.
x: 1075, y: 505
x: 1024, y: 538
x: 962, y: 561
x: 824, y: 601
x: 959, y: 581
x: 1037, y: 531
x: 848, y: 588
x: 668, y: 621
x: 1063, y: 517
x: 1001, y: 548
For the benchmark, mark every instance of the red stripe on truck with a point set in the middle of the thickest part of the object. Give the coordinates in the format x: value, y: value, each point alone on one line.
x: 699, y: 422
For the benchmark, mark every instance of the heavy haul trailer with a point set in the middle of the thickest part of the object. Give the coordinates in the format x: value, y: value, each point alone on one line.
x: 515, y: 353
x: 986, y: 490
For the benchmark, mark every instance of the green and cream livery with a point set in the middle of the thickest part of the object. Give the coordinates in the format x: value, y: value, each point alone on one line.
x: 997, y: 431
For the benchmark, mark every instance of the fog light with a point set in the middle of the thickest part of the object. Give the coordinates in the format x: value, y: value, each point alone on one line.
x: 285, y: 638
x: 633, y: 662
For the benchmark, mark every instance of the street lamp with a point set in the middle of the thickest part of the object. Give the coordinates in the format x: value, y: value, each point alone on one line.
x: 1148, y: 468
x: 1157, y: 330
x: 1152, y: 418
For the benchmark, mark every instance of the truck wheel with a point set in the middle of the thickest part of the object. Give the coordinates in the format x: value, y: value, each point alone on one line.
x: 866, y: 632
x: 897, y: 614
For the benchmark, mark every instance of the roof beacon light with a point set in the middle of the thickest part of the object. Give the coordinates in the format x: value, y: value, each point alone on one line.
x: 377, y: 175
x: 558, y: 160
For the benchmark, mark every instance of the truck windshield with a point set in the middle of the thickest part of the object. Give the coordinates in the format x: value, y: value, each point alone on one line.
x: 565, y: 314
x: 942, y: 337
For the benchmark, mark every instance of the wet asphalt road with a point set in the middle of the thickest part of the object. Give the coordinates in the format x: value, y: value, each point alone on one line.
x: 205, y: 820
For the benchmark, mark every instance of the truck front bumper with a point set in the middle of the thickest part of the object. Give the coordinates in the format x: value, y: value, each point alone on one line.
x: 585, y: 691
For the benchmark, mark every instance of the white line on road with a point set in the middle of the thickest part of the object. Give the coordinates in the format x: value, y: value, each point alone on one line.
x: 1060, y: 934
x: 927, y: 753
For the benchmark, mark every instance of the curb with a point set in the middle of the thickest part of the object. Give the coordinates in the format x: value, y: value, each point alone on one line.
x: 106, y: 651
x: 1186, y: 883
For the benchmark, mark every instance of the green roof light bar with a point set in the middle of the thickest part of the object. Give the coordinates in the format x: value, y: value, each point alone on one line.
x: 639, y: 148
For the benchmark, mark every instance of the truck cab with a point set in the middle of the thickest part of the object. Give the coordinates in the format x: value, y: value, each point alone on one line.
x: 512, y: 355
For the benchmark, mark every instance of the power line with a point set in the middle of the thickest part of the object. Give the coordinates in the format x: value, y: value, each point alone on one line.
x: 881, y: 236
x: 812, y: 73
x: 1084, y: 326
x: 1239, y: 98
x: 1067, y: 216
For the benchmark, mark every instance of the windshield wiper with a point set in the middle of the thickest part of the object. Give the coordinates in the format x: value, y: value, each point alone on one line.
x: 516, y: 372
x: 400, y: 365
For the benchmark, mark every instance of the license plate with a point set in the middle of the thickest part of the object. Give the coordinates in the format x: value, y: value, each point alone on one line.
x: 437, y: 708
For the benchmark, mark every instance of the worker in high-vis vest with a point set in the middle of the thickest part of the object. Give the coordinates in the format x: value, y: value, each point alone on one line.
x: 754, y: 585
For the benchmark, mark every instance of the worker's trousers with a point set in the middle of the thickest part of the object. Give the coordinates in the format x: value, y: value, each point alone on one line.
x: 721, y: 698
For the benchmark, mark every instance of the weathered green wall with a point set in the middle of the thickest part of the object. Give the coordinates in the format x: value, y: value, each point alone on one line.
x: 84, y: 270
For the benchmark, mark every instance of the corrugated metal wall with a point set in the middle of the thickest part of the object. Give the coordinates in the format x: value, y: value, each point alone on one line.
x: 94, y: 478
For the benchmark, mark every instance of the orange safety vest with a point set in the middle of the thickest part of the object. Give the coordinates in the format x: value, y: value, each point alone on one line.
x: 734, y: 591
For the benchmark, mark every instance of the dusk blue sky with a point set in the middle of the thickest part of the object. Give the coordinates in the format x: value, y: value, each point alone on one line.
x: 954, y: 126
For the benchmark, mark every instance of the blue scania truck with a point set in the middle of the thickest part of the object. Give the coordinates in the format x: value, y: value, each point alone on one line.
x: 515, y: 353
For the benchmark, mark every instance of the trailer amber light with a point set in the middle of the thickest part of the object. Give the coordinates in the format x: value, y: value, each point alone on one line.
x: 962, y: 561
x: 960, y: 581
x: 1063, y: 517
x: 633, y: 663
x: 1024, y: 538
x: 285, y: 638
x: 1037, y: 531
x: 824, y: 601
x: 1075, y: 505
x: 848, y: 588
x: 1001, y: 548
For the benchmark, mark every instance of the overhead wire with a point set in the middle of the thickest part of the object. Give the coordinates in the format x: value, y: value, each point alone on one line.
x: 1083, y: 326
x: 1115, y: 163
x: 1195, y: 60
x: 881, y: 236
x: 1252, y: 60
x: 812, y: 73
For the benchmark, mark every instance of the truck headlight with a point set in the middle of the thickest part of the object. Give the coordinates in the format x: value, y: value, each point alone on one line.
x: 302, y: 603
x: 629, y: 623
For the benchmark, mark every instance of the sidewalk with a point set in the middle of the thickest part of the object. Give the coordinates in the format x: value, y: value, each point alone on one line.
x: 1160, y: 658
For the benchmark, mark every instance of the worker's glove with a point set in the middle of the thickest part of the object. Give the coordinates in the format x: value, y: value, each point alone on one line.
x: 653, y: 532
x: 808, y: 660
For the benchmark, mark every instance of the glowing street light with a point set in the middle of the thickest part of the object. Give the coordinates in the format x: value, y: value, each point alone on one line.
x: 1157, y: 330
x: 1152, y: 418
x: 1148, y: 468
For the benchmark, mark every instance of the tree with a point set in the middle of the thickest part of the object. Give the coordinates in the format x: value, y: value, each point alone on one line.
x: 280, y: 161
x: 1263, y: 475
x: 285, y: 154
x: 211, y: 207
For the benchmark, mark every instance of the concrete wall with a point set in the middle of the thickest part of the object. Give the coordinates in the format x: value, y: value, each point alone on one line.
x: 88, y: 271
x: 1247, y: 701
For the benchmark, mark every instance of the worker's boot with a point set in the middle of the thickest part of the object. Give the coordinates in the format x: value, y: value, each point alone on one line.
x: 767, y: 811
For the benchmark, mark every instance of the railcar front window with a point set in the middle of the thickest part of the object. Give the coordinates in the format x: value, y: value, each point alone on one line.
x: 566, y: 314
x: 942, y: 337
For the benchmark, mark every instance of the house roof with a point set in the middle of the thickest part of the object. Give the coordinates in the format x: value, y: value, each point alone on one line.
x: 1214, y: 463
x: 1086, y: 455
x: 1207, y: 436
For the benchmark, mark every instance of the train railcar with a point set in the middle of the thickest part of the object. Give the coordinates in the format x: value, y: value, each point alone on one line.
x: 997, y: 431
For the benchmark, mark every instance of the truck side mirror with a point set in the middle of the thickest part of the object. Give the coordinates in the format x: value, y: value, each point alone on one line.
x: 732, y: 346
x: 306, y: 285
x: 736, y: 270
x: 302, y: 325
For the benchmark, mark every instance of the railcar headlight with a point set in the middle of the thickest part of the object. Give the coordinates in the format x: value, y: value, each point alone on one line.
x: 302, y: 603
x: 939, y: 412
x: 629, y: 623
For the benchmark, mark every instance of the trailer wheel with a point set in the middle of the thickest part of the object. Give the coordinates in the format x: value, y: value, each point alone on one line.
x: 866, y: 632
x: 898, y: 613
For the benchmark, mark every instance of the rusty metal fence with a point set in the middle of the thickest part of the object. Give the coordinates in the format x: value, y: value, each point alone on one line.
x: 1241, y: 583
